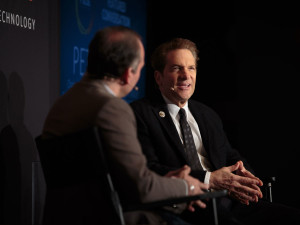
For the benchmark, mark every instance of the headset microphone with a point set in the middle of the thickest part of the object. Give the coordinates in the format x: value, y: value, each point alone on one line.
x: 172, y: 88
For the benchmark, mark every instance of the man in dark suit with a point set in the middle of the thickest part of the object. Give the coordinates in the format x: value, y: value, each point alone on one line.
x: 163, y: 139
x: 115, y: 60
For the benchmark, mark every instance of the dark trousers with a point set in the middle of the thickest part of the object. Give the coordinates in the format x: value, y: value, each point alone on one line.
x: 231, y: 212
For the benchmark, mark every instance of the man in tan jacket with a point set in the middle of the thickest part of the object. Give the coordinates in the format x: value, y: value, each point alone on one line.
x: 115, y: 60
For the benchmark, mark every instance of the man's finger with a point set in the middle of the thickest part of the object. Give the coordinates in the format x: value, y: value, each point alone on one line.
x: 234, y: 167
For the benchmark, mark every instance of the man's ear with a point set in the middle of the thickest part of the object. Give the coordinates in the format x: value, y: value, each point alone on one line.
x: 157, y: 76
x: 126, y: 76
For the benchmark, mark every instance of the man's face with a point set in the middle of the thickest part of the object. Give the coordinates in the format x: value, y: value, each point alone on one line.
x: 178, y: 80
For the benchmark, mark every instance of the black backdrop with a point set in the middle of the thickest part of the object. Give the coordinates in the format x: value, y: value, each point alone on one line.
x: 249, y: 63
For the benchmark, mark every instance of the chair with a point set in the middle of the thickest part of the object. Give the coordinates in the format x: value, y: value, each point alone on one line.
x: 76, y: 163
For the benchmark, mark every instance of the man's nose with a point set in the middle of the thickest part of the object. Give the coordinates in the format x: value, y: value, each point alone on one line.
x: 184, y: 73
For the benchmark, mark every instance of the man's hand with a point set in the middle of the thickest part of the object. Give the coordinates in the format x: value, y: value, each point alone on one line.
x: 243, y: 185
x: 195, y: 186
x: 241, y: 171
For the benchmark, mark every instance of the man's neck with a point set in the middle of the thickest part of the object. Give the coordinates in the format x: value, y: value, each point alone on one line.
x: 114, y: 87
x: 168, y: 101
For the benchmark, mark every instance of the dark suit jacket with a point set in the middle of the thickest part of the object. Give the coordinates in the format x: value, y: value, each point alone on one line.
x: 162, y: 146
x: 161, y: 142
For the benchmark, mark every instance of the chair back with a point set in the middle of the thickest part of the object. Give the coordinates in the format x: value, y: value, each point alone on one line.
x: 78, y: 179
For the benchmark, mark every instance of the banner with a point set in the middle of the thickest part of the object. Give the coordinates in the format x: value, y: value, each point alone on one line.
x: 80, y: 19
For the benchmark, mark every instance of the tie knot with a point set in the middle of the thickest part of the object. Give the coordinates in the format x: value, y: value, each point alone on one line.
x: 182, y: 113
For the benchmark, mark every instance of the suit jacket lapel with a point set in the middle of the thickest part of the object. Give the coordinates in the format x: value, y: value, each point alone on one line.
x: 162, y: 114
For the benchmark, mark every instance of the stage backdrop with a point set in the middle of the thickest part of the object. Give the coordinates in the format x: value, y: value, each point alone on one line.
x: 80, y: 19
x: 43, y: 51
x: 24, y: 101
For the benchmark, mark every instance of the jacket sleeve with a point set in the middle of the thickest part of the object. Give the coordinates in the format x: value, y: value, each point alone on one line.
x: 134, y: 181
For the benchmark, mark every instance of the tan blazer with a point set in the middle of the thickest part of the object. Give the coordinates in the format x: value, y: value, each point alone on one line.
x: 88, y: 103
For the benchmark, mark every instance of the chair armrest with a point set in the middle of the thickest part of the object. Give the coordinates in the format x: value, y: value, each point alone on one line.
x: 268, y: 183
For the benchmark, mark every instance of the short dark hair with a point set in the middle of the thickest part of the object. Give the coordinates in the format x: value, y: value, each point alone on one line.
x: 158, y: 58
x: 113, y: 50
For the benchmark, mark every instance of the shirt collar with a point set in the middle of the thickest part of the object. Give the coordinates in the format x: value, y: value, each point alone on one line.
x: 108, y: 89
x: 174, y: 109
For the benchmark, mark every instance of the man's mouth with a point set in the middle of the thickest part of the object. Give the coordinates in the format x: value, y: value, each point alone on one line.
x: 183, y: 86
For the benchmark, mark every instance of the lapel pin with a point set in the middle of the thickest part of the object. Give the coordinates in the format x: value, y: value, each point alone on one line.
x: 161, y: 114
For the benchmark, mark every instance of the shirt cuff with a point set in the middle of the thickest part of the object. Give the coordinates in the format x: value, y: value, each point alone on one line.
x: 207, y: 177
x: 186, y: 187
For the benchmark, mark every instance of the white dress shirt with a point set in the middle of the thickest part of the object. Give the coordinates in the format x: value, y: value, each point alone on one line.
x: 202, y: 154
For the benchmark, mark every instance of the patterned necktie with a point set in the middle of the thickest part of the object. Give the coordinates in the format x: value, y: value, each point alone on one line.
x: 189, y: 144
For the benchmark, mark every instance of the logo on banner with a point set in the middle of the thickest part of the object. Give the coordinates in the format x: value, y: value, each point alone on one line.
x: 84, y: 16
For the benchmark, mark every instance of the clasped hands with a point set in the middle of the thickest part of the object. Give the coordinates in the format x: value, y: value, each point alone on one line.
x: 241, y: 185
x: 195, y: 186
